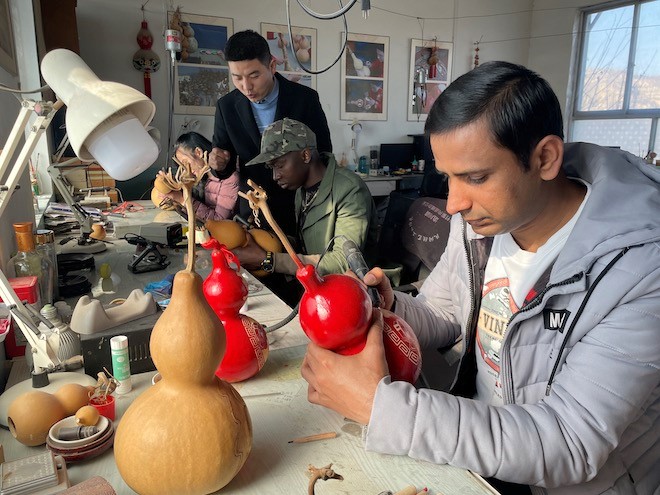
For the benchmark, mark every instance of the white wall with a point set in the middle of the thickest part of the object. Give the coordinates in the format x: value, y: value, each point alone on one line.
x: 553, y: 26
x: 107, y: 39
x: 20, y: 208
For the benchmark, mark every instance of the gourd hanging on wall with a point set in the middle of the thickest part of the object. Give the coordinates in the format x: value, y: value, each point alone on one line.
x: 145, y: 59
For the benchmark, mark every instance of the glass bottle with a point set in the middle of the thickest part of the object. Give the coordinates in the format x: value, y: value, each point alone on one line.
x: 45, y: 240
x: 29, y: 262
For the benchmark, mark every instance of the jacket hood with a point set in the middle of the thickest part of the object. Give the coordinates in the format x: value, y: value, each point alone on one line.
x: 623, y: 208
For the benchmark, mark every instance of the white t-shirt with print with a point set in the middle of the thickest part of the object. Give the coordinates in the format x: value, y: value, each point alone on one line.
x: 510, y: 275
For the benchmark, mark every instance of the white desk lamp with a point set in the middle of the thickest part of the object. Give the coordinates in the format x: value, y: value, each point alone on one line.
x: 105, y: 122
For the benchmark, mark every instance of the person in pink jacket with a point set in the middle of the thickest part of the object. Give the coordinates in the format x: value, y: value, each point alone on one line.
x: 214, y: 198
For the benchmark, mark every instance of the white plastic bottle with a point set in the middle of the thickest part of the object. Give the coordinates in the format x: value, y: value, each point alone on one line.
x: 121, y: 368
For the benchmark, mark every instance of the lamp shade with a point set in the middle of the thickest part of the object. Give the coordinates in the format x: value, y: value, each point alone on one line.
x: 105, y: 120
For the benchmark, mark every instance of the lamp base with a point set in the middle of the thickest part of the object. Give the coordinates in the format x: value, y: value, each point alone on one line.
x: 90, y: 246
x: 57, y: 379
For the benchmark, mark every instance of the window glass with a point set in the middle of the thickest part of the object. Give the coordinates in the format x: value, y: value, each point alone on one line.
x: 645, y: 91
x: 631, y: 135
x: 606, y: 47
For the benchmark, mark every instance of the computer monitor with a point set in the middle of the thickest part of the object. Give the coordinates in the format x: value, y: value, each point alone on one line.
x: 396, y: 155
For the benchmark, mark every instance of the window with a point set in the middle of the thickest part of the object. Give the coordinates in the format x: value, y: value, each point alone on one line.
x: 616, y: 100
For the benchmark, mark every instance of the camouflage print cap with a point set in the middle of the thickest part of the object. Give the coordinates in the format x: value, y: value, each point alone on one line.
x: 281, y: 137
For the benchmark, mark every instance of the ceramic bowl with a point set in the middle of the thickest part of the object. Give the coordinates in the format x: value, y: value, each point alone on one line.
x: 86, y: 452
x: 70, y: 422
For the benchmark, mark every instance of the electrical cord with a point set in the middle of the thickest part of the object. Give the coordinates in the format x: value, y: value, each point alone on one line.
x: 343, y: 10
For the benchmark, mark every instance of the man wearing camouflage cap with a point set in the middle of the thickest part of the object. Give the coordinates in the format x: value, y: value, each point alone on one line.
x: 329, y: 201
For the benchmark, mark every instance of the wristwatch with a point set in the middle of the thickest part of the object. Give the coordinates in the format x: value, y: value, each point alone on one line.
x: 267, y: 264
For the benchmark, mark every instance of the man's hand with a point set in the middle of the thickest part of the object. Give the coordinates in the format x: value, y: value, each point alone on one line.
x: 377, y: 278
x: 218, y: 159
x: 251, y: 255
x: 347, y: 384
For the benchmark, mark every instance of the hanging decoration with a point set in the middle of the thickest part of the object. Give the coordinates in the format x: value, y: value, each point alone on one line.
x: 476, y: 53
x: 433, y: 60
x: 145, y: 59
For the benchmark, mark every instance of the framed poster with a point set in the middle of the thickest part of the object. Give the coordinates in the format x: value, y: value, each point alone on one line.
x: 201, y: 75
x: 438, y: 75
x: 289, y: 56
x: 198, y: 87
x: 7, y: 51
x: 363, y: 86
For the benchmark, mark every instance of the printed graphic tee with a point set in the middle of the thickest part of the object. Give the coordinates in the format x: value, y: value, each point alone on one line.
x: 511, y: 279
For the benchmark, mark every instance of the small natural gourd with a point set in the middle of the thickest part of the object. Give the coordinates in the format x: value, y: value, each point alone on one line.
x: 191, y: 432
x: 232, y: 234
x: 32, y: 413
x: 335, y: 311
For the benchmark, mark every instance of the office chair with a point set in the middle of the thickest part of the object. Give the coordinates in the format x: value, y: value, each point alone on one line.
x: 412, y: 239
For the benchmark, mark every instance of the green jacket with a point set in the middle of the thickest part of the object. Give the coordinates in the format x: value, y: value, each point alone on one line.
x: 342, y: 206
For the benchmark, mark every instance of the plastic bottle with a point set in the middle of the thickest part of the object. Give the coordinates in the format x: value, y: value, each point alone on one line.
x: 121, y: 367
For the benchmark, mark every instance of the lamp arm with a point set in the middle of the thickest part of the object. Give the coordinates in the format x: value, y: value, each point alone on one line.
x: 45, y: 112
x: 81, y: 216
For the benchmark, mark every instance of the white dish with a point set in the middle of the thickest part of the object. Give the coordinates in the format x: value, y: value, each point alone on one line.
x: 70, y: 422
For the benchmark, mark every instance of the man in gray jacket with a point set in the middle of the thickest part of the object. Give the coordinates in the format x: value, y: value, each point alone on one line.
x: 551, y: 280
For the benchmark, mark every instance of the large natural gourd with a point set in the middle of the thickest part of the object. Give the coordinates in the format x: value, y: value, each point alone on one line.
x: 190, y: 433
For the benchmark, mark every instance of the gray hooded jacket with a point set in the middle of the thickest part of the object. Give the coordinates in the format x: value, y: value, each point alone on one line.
x: 582, y: 402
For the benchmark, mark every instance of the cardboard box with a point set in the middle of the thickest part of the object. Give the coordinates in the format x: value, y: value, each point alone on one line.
x: 27, y: 289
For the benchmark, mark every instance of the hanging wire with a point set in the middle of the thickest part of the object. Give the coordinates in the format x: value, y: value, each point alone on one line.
x: 334, y: 15
x: 342, y: 11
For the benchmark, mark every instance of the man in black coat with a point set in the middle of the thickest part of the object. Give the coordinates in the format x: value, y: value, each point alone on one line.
x: 261, y: 97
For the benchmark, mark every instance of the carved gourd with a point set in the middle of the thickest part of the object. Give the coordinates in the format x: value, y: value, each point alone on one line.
x: 190, y: 433
x: 226, y: 292
x: 335, y: 311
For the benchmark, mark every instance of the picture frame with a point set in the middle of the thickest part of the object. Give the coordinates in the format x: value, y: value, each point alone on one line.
x: 197, y: 88
x: 201, y: 74
x: 289, y: 62
x: 363, y: 85
x: 437, y: 78
x: 7, y: 47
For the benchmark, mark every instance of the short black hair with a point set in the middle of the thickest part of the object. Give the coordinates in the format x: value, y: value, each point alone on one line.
x: 247, y: 45
x: 192, y: 140
x: 519, y: 107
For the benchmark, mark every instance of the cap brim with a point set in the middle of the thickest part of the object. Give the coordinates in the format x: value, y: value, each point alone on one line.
x: 265, y: 158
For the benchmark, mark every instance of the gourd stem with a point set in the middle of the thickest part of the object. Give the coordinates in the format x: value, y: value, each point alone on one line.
x: 281, y: 235
x: 257, y: 200
x: 187, y: 199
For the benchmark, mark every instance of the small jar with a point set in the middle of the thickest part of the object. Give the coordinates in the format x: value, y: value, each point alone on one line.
x: 45, y: 244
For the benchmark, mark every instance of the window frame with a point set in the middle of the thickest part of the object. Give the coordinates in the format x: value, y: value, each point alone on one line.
x: 625, y: 112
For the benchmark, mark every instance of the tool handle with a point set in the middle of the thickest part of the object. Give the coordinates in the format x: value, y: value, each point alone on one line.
x: 358, y: 266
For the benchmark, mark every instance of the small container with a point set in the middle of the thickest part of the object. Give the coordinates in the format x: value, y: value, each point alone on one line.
x: 420, y: 165
x: 121, y: 367
x: 104, y: 405
x: 45, y: 245
x: 362, y: 165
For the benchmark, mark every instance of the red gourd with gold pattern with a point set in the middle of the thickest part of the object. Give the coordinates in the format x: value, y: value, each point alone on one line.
x: 335, y: 311
x: 226, y: 292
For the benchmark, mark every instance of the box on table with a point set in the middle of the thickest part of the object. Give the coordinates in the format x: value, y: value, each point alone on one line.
x: 27, y: 289
x: 96, y: 347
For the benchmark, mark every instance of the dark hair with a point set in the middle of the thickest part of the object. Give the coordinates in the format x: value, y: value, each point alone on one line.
x: 517, y: 104
x: 192, y: 140
x: 247, y: 45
